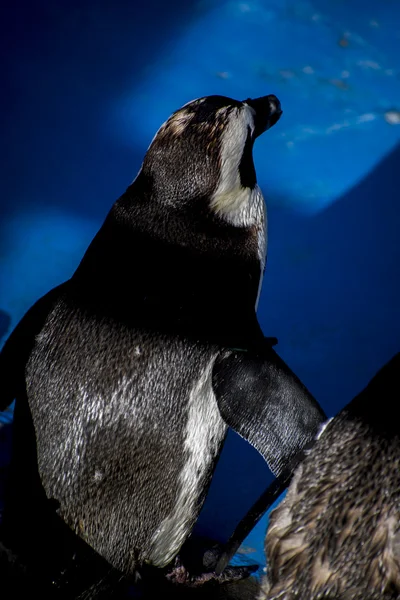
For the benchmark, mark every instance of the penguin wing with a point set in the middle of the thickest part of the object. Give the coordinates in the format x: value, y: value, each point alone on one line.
x: 261, y: 399
x: 18, y: 347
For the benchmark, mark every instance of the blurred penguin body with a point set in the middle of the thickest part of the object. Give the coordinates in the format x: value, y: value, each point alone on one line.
x: 337, y: 532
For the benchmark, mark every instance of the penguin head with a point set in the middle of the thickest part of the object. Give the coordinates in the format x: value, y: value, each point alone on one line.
x: 202, y: 156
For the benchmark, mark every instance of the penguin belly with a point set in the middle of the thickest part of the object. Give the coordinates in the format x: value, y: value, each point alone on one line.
x: 128, y: 444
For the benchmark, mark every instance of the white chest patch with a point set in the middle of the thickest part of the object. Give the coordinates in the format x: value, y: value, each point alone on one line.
x: 204, y: 433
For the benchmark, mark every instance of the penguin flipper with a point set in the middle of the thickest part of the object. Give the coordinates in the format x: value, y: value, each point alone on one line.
x: 17, y: 348
x: 261, y: 399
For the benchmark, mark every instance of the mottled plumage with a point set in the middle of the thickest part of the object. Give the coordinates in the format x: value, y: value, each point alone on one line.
x: 336, y: 535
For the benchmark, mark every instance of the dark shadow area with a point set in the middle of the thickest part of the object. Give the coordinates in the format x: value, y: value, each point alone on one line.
x: 5, y: 321
x: 5, y: 453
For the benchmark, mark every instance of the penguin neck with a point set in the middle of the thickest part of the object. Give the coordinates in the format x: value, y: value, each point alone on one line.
x: 172, y: 270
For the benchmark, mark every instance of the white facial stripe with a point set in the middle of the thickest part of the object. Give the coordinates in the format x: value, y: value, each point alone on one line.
x: 230, y: 197
x: 253, y: 114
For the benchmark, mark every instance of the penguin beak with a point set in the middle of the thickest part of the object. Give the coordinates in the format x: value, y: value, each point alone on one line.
x: 268, y: 112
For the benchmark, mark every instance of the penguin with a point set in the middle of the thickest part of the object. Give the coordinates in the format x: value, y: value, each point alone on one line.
x: 122, y: 374
x: 337, y: 532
